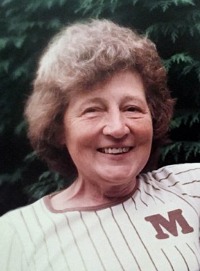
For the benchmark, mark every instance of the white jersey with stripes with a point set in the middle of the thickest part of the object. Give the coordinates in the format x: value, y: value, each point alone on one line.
x: 154, y: 229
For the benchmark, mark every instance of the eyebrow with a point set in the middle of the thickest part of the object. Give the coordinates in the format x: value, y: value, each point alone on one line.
x: 133, y: 98
x: 93, y: 101
x: 125, y: 98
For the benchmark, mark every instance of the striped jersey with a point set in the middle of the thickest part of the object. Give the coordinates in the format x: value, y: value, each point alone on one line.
x: 155, y: 229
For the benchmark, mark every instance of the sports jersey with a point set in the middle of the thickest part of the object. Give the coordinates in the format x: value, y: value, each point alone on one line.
x: 155, y: 228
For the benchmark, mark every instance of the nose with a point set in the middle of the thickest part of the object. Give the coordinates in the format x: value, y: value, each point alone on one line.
x: 116, y: 125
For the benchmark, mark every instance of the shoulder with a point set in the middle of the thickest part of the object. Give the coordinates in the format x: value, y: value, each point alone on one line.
x: 15, y: 218
x: 16, y: 228
x: 185, y: 176
x: 187, y: 169
x: 11, y: 246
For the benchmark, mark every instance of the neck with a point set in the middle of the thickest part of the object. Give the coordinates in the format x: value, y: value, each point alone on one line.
x: 88, y: 194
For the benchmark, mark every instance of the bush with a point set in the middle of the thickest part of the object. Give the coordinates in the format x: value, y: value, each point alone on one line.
x: 26, y: 27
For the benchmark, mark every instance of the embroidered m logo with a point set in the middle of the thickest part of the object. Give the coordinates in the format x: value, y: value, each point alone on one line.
x: 175, y: 217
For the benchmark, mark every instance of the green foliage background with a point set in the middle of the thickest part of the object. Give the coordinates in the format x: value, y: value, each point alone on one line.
x: 25, y: 29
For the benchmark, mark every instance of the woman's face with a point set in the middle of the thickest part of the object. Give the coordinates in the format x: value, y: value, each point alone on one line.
x: 108, y: 130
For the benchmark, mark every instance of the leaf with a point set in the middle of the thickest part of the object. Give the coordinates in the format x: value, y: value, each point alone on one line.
x: 6, y: 2
x: 4, y: 65
x: 84, y: 6
x: 173, y: 30
x: 135, y: 2
x: 20, y: 128
x: 113, y: 5
x: 30, y: 157
x: 179, y: 58
x: 191, y: 149
x: 3, y: 42
x: 194, y: 66
x: 164, y: 5
x: 173, y: 149
x: 19, y: 41
x: 54, y: 24
x: 184, y: 2
x: 185, y: 117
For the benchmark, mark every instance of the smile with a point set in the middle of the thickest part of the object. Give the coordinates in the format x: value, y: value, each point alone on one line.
x: 115, y: 150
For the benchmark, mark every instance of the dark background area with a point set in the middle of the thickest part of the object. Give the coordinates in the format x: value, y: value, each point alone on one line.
x: 25, y: 29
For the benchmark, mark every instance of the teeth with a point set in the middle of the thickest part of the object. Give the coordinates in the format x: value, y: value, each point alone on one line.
x: 115, y: 150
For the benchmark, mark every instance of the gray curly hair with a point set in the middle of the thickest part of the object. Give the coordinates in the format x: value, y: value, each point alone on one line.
x: 76, y: 59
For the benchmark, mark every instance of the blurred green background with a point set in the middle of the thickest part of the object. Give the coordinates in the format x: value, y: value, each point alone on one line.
x: 25, y: 29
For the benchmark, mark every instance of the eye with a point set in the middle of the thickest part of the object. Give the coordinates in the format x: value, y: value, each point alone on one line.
x: 132, y: 109
x: 90, y: 110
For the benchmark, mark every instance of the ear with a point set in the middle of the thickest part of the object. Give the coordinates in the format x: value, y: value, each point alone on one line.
x: 61, y: 138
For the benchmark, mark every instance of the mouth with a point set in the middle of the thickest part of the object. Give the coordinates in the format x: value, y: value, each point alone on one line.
x: 115, y: 151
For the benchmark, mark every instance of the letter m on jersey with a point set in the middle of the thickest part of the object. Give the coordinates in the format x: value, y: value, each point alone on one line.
x: 161, y: 224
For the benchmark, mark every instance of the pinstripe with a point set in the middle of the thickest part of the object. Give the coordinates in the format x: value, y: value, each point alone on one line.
x: 149, y: 181
x: 141, y: 197
x: 169, y: 174
x: 154, y: 197
x: 158, y: 172
x: 195, y: 181
x: 172, y: 192
x: 134, y: 203
x: 130, y: 250
x: 44, y: 236
x: 23, y: 254
x: 29, y: 234
x: 15, y: 233
x: 188, y: 183
x: 191, y: 196
x: 196, y: 246
x: 194, y: 255
x: 114, y: 230
x: 9, y: 255
x: 174, y: 184
x: 75, y: 242
x: 153, y: 187
x: 149, y: 195
x: 188, y: 170
x: 60, y: 243
x: 58, y: 236
x: 183, y: 258
x: 109, y: 241
x: 139, y: 237
x: 168, y: 259
x: 102, y: 264
x: 159, y: 199
x: 165, y: 178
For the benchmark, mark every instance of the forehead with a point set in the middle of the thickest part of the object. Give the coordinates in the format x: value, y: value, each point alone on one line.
x: 124, y: 83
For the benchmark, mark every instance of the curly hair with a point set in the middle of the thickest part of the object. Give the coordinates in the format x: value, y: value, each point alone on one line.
x: 76, y: 59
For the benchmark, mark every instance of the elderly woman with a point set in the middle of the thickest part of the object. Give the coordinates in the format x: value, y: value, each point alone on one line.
x: 99, y: 112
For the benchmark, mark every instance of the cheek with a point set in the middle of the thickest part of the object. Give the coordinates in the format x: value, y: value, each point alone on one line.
x: 145, y: 131
x: 77, y: 140
x: 145, y: 140
x: 148, y: 130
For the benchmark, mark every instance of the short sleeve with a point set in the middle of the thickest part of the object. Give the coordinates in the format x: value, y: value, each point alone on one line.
x: 11, y: 251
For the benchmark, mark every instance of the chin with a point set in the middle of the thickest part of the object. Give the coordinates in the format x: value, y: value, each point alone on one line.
x: 119, y: 176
